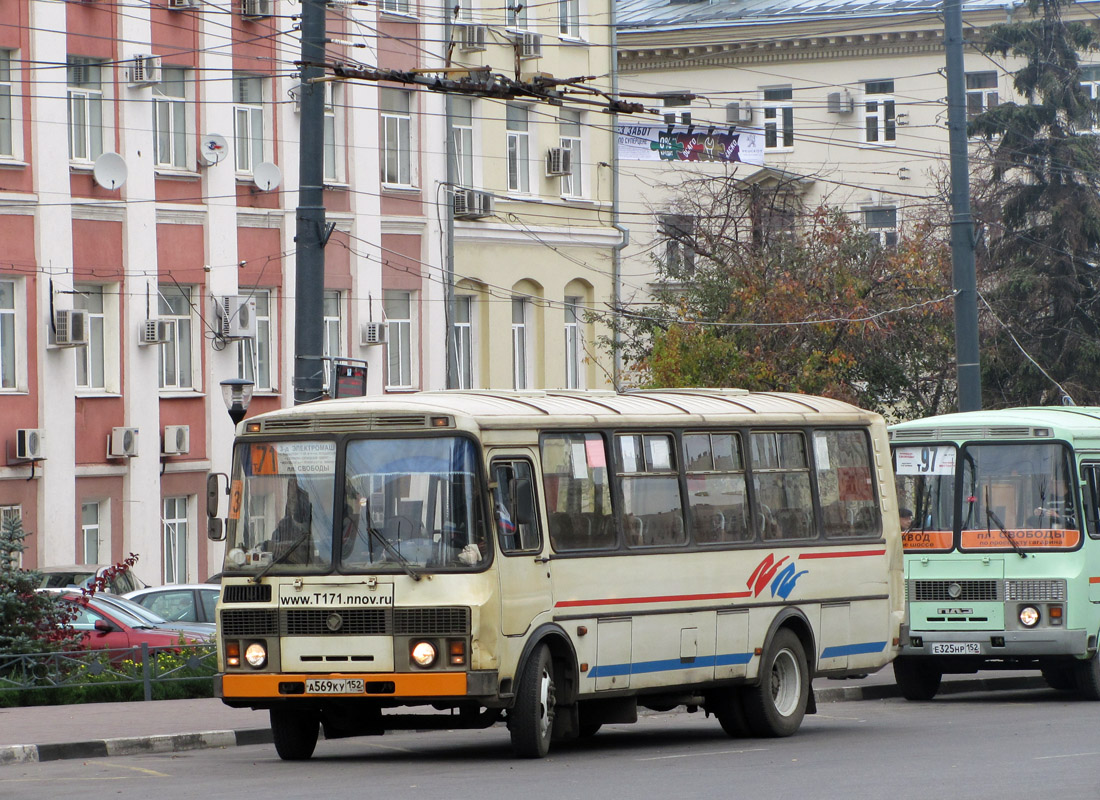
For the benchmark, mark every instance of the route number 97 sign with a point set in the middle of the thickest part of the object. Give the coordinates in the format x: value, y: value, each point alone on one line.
x: 925, y: 460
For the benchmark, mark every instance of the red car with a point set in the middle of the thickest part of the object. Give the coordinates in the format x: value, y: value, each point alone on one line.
x: 107, y: 627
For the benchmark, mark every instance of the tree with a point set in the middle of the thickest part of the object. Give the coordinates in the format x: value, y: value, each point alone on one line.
x: 757, y: 292
x: 30, y: 621
x: 1039, y: 200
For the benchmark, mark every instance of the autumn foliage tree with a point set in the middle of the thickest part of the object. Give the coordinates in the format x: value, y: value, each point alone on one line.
x: 760, y: 293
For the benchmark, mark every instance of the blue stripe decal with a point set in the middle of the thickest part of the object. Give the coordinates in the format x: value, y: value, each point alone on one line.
x: 853, y: 649
x: 668, y: 665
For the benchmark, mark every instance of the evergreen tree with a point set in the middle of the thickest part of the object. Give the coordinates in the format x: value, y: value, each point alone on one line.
x: 1040, y: 203
x: 30, y: 621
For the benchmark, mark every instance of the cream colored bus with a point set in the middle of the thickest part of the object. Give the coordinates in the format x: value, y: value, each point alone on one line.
x: 555, y: 560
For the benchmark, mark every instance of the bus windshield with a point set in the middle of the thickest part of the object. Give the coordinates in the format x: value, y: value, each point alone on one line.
x: 1017, y: 496
x: 405, y: 505
x: 926, y: 489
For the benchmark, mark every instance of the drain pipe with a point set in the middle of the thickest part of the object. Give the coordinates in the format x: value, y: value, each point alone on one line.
x: 617, y: 255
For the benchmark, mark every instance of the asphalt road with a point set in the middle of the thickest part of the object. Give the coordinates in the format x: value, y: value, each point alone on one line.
x: 1021, y: 744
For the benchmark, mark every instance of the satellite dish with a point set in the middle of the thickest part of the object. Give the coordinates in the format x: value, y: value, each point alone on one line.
x: 212, y: 149
x: 109, y: 171
x: 267, y: 176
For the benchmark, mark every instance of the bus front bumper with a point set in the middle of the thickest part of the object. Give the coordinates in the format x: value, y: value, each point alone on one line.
x: 993, y: 645
x: 243, y: 687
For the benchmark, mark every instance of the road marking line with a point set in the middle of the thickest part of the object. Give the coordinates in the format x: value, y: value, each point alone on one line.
x: 712, y: 753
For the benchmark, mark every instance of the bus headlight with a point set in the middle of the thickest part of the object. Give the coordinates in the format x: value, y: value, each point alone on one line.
x: 256, y: 655
x: 1029, y: 616
x: 423, y: 654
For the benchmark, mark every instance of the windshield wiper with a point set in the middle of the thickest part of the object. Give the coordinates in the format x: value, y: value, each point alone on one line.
x: 387, y: 545
x: 282, y: 556
x: 989, y: 515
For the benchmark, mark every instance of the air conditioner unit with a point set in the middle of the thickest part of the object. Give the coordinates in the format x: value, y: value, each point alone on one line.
x: 70, y: 327
x: 472, y: 204
x: 739, y: 112
x: 530, y: 44
x: 559, y: 161
x: 255, y: 9
x: 155, y: 331
x: 470, y: 38
x: 373, y: 333
x: 180, y: 5
x: 29, y: 444
x: 177, y: 440
x: 123, y: 443
x: 238, y: 316
x: 143, y: 70
x: 840, y: 102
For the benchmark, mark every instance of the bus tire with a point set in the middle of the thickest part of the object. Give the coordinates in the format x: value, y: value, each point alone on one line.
x: 531, y: 719
x: 1061, y: 677
x: 917, y: 679
x: 294, y: 733
x: 1088, y: 677
x: 729, y: 707
x: 775, y: 707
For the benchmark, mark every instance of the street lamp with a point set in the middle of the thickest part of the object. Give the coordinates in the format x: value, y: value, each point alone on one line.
x: 237, y: 393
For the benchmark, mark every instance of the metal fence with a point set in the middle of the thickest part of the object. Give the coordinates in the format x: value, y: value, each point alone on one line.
x: 143, y: 665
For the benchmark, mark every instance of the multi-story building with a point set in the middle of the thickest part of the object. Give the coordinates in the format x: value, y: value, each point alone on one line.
x: 849, y: 102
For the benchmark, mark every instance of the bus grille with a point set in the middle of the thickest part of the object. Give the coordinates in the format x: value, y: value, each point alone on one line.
x: 238, y: 622
x: 1035, y: 590
x: 248, y: 593
x: 937, y: 591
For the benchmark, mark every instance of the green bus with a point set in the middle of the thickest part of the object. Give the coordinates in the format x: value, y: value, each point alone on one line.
x: 1002, y: 546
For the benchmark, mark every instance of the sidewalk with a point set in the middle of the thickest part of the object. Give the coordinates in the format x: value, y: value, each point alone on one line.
x: 91, y: 730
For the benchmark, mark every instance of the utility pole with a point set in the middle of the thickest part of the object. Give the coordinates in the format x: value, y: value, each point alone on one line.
x: 312, y: 232
x: 968, y: 375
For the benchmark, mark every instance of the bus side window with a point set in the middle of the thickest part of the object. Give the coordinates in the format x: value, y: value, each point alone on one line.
x: 515, y: 533
x: 1091, y: 498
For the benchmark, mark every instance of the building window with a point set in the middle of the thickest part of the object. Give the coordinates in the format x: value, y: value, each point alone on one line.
x: 517, y: 15
x: 520, y: 354
x: 880, y: 125
x: 254, y: 355
x: 569, y: 132
x: 462, y: 140
x: 333, y: 170
x: 175, y: 540
x: 569, y: 16
x: 248, y: 122
x: 90, y: 532
x: 519, y: 169
x: 396, y: 137
x: 398, y: 308
x: 170, y: 119
x: 778, y: 118
x: 333, y: 305
x: 395, y: 6
x: 8, y: 328
x: 91, y: 360
x: 981, y: 93
x: 465, y: 10
x: 573, y: 342
x: 174, y: 306
x: 882, y: 225
x: 85, y: 95
x: 464, y: 342
x: 7, y: 132
x: 679, y: 253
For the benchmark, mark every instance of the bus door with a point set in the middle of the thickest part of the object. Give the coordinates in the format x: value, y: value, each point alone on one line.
x: 1090, y: 525
x: 524, y: 570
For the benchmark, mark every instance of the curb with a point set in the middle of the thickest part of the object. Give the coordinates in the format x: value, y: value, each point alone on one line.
x: 132, y: 745
x: 179, y: 742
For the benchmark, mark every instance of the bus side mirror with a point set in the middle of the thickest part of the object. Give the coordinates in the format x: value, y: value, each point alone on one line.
x: 523, y: 501
x: 214, y: 492
x: 215, y: 531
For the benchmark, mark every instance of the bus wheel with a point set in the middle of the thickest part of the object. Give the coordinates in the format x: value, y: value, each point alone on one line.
x: 728, y: 706
x: 531, y: 720
x: 1088, y: 677
x: 1061, y: 678
x: 777, y: 705
x: 294, y: 733
x: 916, y: 679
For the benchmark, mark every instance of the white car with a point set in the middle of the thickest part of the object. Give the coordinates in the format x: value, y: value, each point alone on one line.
x: 180, y: 602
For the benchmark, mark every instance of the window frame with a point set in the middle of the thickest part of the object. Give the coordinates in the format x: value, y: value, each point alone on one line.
x: 175, y: 535
x: 463, y: 336
x: 885, y: 236
x: 570, y: 138
x: 400, y: 350
x: 463, y: 143
x: 521, y: 342
x: 518, y: 147
x: 396, y: 140
x: 178, y: 128
x: 884, y: 113
x: 11, y: 117
x: 778, y: 113
x: 87, y: 527
x: 257, y: 358
x: 89, y: 98
x: 569, y: 19
x: 13, y: 337
x: 333, y: 321
x: 177, y: 345
x: 249, y: 113
x: 574, y: 372
x: 980, y: 99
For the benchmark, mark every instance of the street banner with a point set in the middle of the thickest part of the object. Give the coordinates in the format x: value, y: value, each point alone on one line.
x: 690, y: 143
